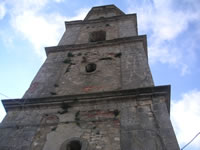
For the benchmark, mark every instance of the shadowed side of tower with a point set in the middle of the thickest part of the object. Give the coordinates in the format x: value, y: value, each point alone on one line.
x: 94, y: 91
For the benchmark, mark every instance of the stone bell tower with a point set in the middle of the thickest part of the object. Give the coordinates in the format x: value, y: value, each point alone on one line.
x: 94, y: 92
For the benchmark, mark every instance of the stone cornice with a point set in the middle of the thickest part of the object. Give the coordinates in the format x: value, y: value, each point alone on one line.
x: 62, y: 48
x: 53, y: 101
x: 114, y: 18
x: 94, y: 9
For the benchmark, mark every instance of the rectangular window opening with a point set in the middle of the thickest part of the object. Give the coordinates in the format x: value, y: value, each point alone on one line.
x: 97, y: 36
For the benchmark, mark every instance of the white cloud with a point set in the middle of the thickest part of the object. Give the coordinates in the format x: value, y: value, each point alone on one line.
x: 58, y: 1
x: 81, y: 14
x: 2, y: 10
x: 3, y: 113
x: 2, y: 110
x: 185, y: 116
x: 164, y: 21
x: 40, y: 28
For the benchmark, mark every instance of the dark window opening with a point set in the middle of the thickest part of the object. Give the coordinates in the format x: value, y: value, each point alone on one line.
x: 74, y: 145
x: 97, y: 36
x: 90, y: 67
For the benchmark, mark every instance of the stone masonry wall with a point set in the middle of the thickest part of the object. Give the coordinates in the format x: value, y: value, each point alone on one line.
x: 78, y: 33
x: 122, y: 66
x: 136, y: 123
x: 99, y: 93
x: 70, y: 35
x: 106, y: 11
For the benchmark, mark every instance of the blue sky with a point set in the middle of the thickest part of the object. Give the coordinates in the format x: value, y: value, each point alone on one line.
x: 172, y: 28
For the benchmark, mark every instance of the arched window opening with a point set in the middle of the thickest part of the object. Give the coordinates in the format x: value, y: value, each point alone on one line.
x: 74, y: 145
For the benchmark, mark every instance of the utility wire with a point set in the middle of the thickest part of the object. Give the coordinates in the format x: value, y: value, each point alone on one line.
x: 4, y: 95
x: 19, y: 103
x: 11, y: 98
x: 190, y: 141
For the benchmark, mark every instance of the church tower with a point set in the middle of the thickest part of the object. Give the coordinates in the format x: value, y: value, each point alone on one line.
x: 94, y: 92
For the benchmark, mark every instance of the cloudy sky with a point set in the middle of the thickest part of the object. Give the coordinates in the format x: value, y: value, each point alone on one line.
x: 172, y: 28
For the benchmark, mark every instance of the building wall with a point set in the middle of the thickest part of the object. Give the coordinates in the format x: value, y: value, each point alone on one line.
x: 118, y: 66
x: 70, y: 35
x: 103, y: 12
x: 118, y: 27
x: 120, y: 108
x: 135, y: 122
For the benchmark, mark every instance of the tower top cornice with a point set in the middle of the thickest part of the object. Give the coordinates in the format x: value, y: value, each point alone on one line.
x: 104, y: 12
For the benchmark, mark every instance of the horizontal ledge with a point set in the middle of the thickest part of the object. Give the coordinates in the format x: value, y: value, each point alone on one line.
x: 61, y: 48
x: 10, y: 104
x: 77, y: 22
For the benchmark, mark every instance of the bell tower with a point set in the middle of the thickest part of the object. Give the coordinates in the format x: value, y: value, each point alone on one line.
x: 94, y: 92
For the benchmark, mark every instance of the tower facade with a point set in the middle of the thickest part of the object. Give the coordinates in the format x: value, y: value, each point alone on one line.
x: 94, y: 92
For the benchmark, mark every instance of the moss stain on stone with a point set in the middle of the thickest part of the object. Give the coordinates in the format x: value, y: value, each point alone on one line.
x: 116, y: 112
x: 67, y: 61
x: 70, y: 54
x: 53, y: 93
x: 106, y: 58
x: 118, y: 55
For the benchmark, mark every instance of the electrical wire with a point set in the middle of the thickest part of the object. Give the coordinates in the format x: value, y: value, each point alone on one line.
x: 12, y: 99
x: 190, y: 141
x: 4, y: 95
